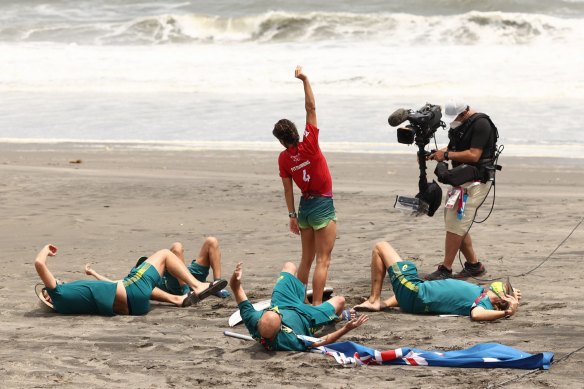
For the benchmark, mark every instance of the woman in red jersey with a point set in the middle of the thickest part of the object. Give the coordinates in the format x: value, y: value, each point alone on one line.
x: 304, y: 163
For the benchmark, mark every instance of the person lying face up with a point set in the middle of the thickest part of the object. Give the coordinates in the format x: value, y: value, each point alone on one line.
x: 289, y: 316
x: 130, y: 296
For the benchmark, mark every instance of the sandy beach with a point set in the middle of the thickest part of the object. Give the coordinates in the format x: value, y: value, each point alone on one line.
x: 119, y: 203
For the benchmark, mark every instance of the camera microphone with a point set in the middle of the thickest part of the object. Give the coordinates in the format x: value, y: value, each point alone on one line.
x: 398, y: 117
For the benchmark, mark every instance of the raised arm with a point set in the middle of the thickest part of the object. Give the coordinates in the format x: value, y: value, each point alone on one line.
x: 335, y: 336
x: 40, y: 264
x: 309, y: 103
x: 235, y: 284
x: 90, y: 272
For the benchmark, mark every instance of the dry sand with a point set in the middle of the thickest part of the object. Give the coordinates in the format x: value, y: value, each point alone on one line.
x: 119, y: 204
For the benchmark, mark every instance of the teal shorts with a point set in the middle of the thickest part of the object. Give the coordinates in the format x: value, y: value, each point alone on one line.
x: 289, y: 293
x: 139, y: 285
x: 404, y: 281
x: 170, y: 284
x: 316, y: 212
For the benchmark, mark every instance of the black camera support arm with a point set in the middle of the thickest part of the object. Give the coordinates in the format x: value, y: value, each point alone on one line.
x: 423, y: 183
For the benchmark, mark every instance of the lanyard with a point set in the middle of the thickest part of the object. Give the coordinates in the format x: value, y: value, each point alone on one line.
x: 478, y: 299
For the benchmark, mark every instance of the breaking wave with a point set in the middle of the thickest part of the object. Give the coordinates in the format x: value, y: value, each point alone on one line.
x: 282, y: 27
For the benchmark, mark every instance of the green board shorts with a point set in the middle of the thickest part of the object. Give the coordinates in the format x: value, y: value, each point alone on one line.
x: 170, y: 284
x: 405, y: 282
x: 139, y: 285
x: 289, y: 293
x: 316, y: 212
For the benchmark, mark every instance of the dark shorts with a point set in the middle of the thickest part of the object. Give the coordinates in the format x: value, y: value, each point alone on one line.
x: 404, y: 281
x: 316, y: 212
x: 139, y: 285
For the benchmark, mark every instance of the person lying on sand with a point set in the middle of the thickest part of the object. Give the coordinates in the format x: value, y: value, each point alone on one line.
x: 130, y: 296
x: 209, y: 257
x: 449, y: 296
x: 288, y: 315
x: 171, y: 290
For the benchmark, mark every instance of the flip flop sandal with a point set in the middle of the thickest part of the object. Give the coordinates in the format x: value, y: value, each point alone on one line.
x: 215, y: 287
x: 191, y: 299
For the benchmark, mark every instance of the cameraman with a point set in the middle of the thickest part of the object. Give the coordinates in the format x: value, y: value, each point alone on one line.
x: 473, y: 138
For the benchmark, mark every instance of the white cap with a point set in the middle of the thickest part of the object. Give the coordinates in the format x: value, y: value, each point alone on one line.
x: 455, y: 107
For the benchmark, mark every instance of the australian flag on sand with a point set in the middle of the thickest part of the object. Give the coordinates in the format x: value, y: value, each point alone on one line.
x: 484, y: 355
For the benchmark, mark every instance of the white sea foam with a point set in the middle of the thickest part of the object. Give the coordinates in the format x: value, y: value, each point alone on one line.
x: 210, y: 71
x: 518, y: 150
x: 397, y: 29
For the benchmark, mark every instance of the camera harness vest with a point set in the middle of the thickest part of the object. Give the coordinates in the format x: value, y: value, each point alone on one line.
x: 459, y: 133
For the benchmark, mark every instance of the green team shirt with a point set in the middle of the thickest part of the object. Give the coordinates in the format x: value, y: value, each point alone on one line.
x: 451, y: 296
x: 293, y: 324
x: 84, y: 297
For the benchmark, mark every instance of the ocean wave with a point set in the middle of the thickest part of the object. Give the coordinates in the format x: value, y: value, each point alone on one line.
x: 564, y: 151
x: 327, y: 27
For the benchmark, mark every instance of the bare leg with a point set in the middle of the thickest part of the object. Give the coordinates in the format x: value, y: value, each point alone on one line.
x: 325, y: 241
x: 165, y: 260
x: 451, y: 246
x: 468, y: 250
x: 338, y: 302
x: 289, y: 267
x: 162, y: 296
x: 308, y: 252
x: 382, y: 257
x: 177, y: 249
x: 210, y: 256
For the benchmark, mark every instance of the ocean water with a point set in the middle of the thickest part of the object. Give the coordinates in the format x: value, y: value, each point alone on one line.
x: 218, y: 74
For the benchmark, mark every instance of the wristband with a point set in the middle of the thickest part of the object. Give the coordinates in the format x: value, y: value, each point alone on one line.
x: 292, y: 215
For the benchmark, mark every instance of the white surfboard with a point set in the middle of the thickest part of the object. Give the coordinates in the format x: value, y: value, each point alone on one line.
x: 326, y: 294
x: 235, y: 318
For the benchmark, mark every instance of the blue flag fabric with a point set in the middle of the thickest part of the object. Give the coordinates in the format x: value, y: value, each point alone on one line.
x: 482, y: 355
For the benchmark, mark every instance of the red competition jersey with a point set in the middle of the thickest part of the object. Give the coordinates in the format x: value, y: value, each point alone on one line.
x: 307, y: 166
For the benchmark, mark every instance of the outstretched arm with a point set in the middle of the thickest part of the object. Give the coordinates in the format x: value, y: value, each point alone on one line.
x: 235, y: 284
x: 40, y: 264
x: 309, y: 103
x: 334, y: 336
x: 90, y: 272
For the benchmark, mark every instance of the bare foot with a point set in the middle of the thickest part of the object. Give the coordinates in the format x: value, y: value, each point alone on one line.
x: 201, y: 287
x: 369, y: 306
x: 178, y: 300
x: 391, y: 302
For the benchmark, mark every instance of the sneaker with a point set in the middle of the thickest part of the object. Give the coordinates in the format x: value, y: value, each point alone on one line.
x: 471, y: 270
x: 442, y: 273
x: 223, y: 293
